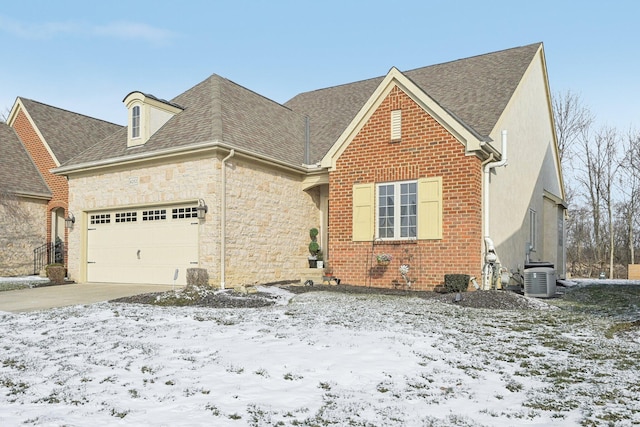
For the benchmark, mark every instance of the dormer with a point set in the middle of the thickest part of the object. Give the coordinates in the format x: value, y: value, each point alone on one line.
x: 147, y: 114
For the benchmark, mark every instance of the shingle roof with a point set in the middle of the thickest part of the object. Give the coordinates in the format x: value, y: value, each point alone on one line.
x: 476, y: 90
x: 67, y: 133
x: 18, y: 173
x: 218, y: 110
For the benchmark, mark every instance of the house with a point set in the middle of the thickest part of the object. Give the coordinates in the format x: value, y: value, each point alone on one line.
x: 433, y: 139
x: 23, y: 200
x: 436, y: 166
x: 51, y: 136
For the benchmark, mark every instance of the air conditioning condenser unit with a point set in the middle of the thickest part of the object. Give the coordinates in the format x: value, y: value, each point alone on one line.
x: 540, y: 282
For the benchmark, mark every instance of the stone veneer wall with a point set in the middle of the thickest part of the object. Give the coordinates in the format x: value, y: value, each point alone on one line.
x: 22, y: 230
x: 268, y: 215
x: 268, y: 222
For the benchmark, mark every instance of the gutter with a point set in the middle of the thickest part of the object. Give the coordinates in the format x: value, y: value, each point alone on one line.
x: 173, y: 151
x: 30, y: 195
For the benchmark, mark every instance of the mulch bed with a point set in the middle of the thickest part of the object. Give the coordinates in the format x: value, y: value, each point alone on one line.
x: 503, y: 300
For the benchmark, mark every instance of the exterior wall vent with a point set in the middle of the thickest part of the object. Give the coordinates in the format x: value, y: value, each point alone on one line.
x: 396, y: 125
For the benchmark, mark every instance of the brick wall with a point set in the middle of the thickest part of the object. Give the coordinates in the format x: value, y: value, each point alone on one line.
x: 43, y: 161
x: 426, y: 150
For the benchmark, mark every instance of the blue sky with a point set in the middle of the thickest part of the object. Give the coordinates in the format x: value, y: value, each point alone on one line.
x: 88, y: 58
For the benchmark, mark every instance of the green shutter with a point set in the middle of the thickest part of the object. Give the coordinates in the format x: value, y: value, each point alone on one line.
x: 430, y: 208
x: 363, y: 207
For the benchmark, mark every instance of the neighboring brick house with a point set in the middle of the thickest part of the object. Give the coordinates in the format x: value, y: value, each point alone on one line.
x: 411, y: 164
x: 52, y: 136
x: 23, y: 200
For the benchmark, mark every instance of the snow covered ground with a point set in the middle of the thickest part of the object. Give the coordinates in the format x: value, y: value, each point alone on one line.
x: 9, y: 283
x: 316, y: 359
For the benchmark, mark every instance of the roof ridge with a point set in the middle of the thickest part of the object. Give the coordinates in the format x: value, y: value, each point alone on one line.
x: 337, y: 86
x: 472, y: 57
x: 279, y: 104
x: 415, y: 69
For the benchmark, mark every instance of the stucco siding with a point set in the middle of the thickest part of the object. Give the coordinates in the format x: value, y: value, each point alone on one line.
x: 531, y: 170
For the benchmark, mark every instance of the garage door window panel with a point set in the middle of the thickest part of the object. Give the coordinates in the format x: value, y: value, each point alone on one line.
x: 185, y: 212
x: 100, y: 219
x: 154, y: 215
x: 126, y: 217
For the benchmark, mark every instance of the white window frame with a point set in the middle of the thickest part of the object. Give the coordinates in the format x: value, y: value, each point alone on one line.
x: 397, y: 211
x: 135, y: 121
x: 532, y: 228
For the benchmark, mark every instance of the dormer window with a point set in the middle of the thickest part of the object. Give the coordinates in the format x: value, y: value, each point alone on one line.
x: 135, y: 122
x: 147, y: 114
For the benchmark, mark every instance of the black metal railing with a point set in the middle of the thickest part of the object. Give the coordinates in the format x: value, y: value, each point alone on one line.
x: 49, y: 253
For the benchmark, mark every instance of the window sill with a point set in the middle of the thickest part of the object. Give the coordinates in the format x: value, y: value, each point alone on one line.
x: 395, y: 242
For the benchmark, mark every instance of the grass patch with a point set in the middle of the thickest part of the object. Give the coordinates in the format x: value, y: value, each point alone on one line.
x: 621, y: 328
x: 603, y: 300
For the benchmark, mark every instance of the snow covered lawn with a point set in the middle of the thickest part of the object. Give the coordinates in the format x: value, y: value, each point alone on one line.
x: 316, y: 359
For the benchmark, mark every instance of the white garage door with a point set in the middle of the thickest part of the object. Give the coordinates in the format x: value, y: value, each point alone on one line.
x: 144, y: 245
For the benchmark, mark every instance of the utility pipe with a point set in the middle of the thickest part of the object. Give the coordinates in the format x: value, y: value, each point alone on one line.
x: 490, y: 254
x: 487, y: 173
x: 223, y: 218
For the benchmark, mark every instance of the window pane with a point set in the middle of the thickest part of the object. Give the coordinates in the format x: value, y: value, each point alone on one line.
x: 397, y: 218
x: 385, y: 210
x: 408, y: 209
x: 135, y: 122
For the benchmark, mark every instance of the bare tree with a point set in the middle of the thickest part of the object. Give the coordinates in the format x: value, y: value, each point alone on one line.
x: 588, y: 175
x: 579, y: 243
x: 609, y: 139
x: 602, y: 183
x: 598, y: 164
x: 571, y: 118
x: 4, y: 115
x: 629, y: 185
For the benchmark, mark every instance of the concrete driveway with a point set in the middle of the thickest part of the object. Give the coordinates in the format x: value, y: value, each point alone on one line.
x: 47, y: 297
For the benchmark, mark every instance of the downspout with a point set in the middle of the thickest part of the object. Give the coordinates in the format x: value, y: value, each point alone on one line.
x: 487, y: 173
x: 490, y: 255
x: 223, y: 219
